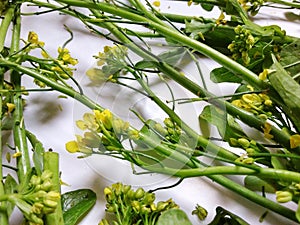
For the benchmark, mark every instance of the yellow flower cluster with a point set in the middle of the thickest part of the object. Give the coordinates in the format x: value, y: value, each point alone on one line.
x: 33, y: 40
x: 110, y: 62
x: 102, y: 129
x: 63, y: 62
x: 255, y: 103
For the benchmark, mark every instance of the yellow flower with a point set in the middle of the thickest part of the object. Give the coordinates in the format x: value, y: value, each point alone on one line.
x: 267, y: 128
x: 156, y: 3
x: 88, y: 122
x: 78, y: 146
x: 105, y: 117
x: 10, y: 107
x: 295, y: 141
x: 91, y: 140
x: 96, y: 76
x: 34, y: 39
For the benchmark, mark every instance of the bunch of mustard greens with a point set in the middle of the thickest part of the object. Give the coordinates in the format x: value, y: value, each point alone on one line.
x: 151, y: 46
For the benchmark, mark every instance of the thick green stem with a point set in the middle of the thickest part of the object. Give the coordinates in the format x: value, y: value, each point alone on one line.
x: 51, y: 162
x: 3, y: 214
x: 23, y: 160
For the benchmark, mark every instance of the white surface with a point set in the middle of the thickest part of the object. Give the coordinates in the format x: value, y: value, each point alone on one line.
x: 55, y: 127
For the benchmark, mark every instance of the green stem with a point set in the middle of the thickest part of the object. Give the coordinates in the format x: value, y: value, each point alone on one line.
x: 3, y: 214
x: 51, y: 162
x: 178, y: 37
x: 5, y: 25
x: 23, y: 161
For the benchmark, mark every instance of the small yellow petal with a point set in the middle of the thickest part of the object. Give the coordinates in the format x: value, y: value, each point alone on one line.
x: 17, y: 154
x: 156, y: 3
x: 72, y: 146
x: 10, y: 107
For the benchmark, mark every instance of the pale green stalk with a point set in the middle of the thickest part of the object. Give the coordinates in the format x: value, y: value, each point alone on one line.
x: 23, y: 161
x: 51, y: 162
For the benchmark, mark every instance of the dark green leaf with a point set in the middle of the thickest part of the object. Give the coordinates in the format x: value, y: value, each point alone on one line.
x: 207, y: 7
x: 222, y: 74
x: 10, y: 187
x: 256, y: 184
x: 173, y: 217
x: 76, y: 204
x: 224, y: 217
x: 289, y: 91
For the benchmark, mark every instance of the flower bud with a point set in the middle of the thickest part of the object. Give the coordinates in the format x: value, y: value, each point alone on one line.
x: 283, y: 196
x: 244, y: 142
x: 46, y: 175
x: 139, y: 193
x: 50, y: 203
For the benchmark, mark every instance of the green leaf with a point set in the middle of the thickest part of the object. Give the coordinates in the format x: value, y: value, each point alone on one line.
x: 76, y: 204
x: 222, y: 74
x: 224, y: 217
x: 226, y: 124
x: 256, y: 184
x: 173, y: 217
x: 196, y: 28
x: 289, y: 91
x: 207, y: 7
x: 171, y: 57
x: 10, y: 187
x: 290, y: 57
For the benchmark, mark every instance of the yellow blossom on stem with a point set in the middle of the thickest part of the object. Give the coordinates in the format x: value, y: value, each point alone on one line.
x: 88, y: 123
x: 33, y: 39
x: 104, y: 117
x: 295, y: 141
x: 78, y: 146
